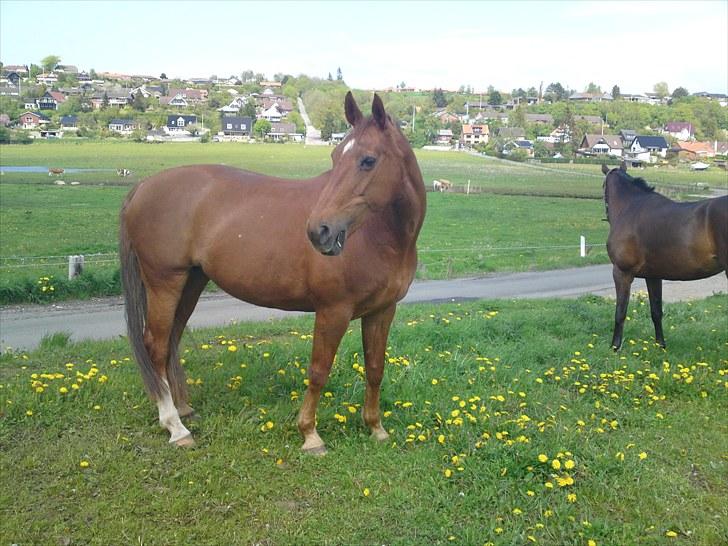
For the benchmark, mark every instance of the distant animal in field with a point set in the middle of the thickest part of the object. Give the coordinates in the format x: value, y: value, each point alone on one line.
x: 123, y: 172
x: 441, y: 185
x: 55, y: 171
x: 654, y: 238
x: 342, y: 244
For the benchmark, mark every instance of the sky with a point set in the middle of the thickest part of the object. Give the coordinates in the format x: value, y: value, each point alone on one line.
x: 632, y: 44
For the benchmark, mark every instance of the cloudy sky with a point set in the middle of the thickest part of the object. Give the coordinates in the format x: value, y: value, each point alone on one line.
x: 380, y: 44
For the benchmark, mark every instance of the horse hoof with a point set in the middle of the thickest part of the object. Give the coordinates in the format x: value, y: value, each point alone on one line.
x: 380, y: 435
x: 318, y: 451
x: 185, y: 441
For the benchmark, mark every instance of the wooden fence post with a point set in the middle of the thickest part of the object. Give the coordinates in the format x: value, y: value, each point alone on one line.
x: 75, y: 266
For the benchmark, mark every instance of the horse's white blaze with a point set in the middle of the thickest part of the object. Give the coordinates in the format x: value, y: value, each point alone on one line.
x: 348, y: 146
x: 169, y: 416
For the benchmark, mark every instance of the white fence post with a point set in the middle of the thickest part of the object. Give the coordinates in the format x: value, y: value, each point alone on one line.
x: 582, y: 247
x: 468, y: 191
x: 75, y: 266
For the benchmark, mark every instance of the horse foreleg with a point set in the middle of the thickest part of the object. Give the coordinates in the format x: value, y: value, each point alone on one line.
x: 654, y: 289
x: 375, y: 331
x: 622, y: 285
x: 329, y: 328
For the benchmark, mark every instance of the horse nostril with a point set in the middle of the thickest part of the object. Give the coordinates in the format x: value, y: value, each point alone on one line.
x: 324, y: 232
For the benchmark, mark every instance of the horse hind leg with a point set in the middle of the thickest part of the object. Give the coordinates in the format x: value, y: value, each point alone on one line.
x: 654, y: 289
x: 191, y: 292
x: 163, y: 300
x: 375, y: 330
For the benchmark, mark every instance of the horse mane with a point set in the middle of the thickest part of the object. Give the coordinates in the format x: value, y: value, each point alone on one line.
x: 639, y: 183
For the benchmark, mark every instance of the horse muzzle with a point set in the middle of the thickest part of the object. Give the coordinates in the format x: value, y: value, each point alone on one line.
x: 328, y: 240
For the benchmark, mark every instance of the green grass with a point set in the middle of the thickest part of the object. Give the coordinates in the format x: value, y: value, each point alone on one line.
x: 473, y: 394
x: 462, y: 235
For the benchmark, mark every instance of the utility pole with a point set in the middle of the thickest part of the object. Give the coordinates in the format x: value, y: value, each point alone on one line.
x: 413, y: 118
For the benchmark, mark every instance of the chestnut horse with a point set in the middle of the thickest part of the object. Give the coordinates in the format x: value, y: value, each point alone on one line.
x: 654, y: 238
x: 342, y: 244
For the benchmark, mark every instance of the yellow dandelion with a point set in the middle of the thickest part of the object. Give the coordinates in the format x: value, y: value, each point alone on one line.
x: 366, y: 492
x: 232, y: 348
x: 29, y: 413
x: 556, y: 464
x: 670, y: 534
x: 63, y: 390
x: 543, y: 458
x: 517, y: 511
x: 441, y: 439
x: 447, y: 472
x: 571, y: 497
x: 568, y: 465
x: 591, y: 542
x: 642, y: 456
x: 83, y: 464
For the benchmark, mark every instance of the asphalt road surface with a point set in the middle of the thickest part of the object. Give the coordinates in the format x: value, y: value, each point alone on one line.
x: 22, y: 327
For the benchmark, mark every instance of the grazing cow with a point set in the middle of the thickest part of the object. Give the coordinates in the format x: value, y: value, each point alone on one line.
x: 53, y: 171
x: 441, y: 185
x: 123, y: 172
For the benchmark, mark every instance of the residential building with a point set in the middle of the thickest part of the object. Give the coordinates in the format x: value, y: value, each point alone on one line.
x: 50, y: 100
x: 69, y: 123
x: 681, y: 130
x: 627, y: 136
x: 272, y: 114
x: 601, y: 145
x: 444, y: 137
x: 511, y: 133
x: 47, y: 79
x: 241, y: 126
x: 123, y: 126
x: 32, y: 120
x: 591, y: 97
x: 474, y: 135
x: 692, y: 150
x: 284, y: 131
x: 540, y: 119
x: 179, y: 123
x: 647, y: 148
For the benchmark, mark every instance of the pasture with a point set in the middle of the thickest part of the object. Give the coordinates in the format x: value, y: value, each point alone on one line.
x: 524, y: 223
x: 511, y: 423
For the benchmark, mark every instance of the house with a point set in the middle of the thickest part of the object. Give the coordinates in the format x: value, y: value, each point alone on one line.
x: 13, y: 78
x: 271, y: 84
x: 284, y: 131
x: 182, y: 98
x: 47, y: 79
x: 474, y: 134
x: 9, y: 91
x: 445, y: 117
x: 4, y: 120
x: 50, y: 100
x: 272, y: 114
x: 627, y: 136
x: 518, y: 144
x: 561, y: 134
x: 111, y: 99
x: 591, y: 97
x: 681, y: 130
x: 635, y: 97
x: 601, y: 145
x: 720, y: 97
x: 494, y: 115
x: 540, y: 119
x: 444, y: 137
x: 32, y: 120
x: 241, y: 126
x: 69, y: 123
x: 512, y: 133
x: 692, y: 150
x: 67, y: 68
x: 20, y: 69
x: 123, y: 126
x: 646, y: 148
x: 283, y: 104
x: 177, y: 124
x: 337, y: 137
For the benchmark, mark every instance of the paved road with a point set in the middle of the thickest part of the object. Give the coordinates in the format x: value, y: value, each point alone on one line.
x: 313, y: 135
x: 22, y: 327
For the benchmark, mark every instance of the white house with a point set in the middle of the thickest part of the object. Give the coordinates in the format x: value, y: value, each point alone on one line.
x: 647, y: 148
x: 272, y: 114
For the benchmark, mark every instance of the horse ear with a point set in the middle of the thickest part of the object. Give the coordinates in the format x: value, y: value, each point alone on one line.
x: 623, y: 166
x: 605, y: 169
x: 351, y: 109
x: 380, y: 116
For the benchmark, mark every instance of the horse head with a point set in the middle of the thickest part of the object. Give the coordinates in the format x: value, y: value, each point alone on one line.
x: 369, y: 167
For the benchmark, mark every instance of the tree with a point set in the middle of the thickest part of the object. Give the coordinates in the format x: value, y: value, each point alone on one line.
x: 593, y: 88
x: 438, y: 97
x: 339, y: 75
x: 330, y: 78
x: 50, y: 62
x: 555, y: 92
x: 261, y: 128
x: 494, y: 97
x: 249, y: 109
x: 517, y: 118
x: 661, y: 89
x: 680, y: 93
x: 616, y: 93
x: 105, y: 101
x: 163, y: 76
x: 139, y: 103
x: 519, y: 93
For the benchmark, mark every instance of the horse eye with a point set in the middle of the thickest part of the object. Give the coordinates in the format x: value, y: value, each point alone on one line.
x: 367, y: 163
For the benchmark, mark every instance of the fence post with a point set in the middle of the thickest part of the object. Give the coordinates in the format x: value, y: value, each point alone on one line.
x: 582, y: 246
x: 468, y: 191
x: 75, y: 266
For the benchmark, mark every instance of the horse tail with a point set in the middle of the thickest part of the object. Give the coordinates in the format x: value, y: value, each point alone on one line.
x: 135, y: 304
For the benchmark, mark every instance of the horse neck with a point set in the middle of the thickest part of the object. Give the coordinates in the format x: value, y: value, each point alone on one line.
x: 410, y: 202
x: 619, y: 195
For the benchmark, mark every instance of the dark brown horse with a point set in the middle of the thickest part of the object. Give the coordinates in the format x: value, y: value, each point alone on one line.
x: 654, y: 238
x: 341, y: 244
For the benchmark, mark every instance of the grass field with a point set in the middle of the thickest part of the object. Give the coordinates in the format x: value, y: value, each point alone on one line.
x: 528, y: 228
x: 511, y: 423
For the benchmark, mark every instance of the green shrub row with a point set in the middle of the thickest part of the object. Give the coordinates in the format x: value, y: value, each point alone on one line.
x: 48, y: 289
